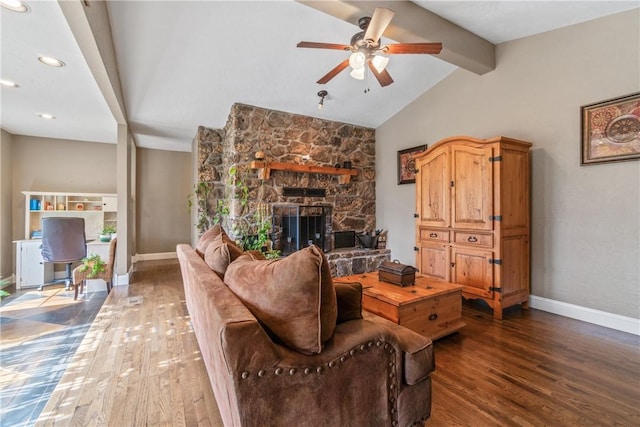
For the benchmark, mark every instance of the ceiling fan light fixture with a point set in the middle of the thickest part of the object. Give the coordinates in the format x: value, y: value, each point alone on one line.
x: 357, y: 60
x: 15, y: 5
x: 380, y: 62
x: 357, y: 74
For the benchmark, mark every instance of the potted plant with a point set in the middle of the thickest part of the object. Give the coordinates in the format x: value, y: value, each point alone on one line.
x: 107, y: 233
x: 94, y: 264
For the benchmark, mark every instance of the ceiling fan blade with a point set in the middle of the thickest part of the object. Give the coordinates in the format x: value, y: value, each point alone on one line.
x: 331, y: 74
x: 324, y: 45
x: 431, y: 48
x: 379, y: 22
x: 384, y: 78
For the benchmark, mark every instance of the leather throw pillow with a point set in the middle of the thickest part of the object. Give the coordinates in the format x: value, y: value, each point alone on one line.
x: 292, y: 297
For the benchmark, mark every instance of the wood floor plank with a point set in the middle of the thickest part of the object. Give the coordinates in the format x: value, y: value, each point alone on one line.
x: 140, y: 364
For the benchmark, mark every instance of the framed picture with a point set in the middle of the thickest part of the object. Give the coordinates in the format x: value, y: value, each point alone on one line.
x: 611, y: 130
x: 406, y: 164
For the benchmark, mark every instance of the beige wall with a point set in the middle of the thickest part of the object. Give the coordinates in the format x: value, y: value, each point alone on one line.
x: 585, y: 220
x: 6, y: 212
x: 44, y: 164
x: 163, y: 183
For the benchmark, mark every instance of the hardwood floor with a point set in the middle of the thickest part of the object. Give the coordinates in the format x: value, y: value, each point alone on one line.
x: 534, y: 368
x: 139, y: 364
x: 39, y: 334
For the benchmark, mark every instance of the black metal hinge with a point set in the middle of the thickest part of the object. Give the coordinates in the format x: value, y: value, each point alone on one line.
x: 492, y: 289
x: 452, y: 183
x: 415, y: 248
x: 415, y: 215
x: 495, y: 159
x: 495, y: 261
x: 495, y: 217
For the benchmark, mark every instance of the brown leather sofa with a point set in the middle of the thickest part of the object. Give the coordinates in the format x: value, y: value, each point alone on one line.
x: 369, y: 372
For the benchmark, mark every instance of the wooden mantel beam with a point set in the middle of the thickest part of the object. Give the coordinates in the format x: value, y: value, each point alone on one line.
x: 344, y: 175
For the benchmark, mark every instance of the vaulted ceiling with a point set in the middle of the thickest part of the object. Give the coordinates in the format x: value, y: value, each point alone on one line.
x: 183, y: 64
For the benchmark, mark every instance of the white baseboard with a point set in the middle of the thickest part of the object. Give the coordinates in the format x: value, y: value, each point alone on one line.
x: 11, y: 280
x: 121, y: 279
x: 586, y: 314
x: 155, y: 256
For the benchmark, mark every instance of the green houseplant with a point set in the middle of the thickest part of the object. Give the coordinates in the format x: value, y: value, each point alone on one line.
x: 93, y: 263
x: 250, y: 229
x: 106, y: 233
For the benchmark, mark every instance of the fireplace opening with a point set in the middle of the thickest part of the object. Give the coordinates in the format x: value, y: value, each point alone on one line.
x: 297, y: 226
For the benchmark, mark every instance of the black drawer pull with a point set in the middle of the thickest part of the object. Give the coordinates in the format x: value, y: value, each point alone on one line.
x: 472, y: 239
x: 433, y: 316
x: 433, y: 234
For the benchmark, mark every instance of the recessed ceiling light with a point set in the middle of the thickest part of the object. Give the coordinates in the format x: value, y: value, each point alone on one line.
x: 8, y: 83
x: 53, y: 62
x: 47, y: 116
x: 15, y: 5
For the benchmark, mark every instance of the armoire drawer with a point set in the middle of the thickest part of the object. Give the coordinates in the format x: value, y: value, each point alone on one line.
x: 434, y: 235
x: 484, y: 240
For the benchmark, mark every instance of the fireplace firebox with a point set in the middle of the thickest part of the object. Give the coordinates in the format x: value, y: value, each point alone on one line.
x: 297, y: 226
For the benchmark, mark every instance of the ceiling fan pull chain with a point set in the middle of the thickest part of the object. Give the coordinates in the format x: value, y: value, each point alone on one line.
x: 366, y: 80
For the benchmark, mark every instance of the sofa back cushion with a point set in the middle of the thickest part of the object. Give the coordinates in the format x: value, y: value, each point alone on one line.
x: 208, y: 237
x: 349, y: 299
x: 292, y: 297
x: 221, y: 252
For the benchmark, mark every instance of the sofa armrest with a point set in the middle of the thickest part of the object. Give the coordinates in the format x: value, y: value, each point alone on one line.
x: 222, y: 324
x: 417, y: 351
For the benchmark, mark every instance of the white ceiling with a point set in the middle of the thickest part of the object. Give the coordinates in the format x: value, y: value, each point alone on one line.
x: 183, y: 64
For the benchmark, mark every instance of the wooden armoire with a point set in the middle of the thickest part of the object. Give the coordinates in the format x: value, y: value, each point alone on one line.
x: 473, y: 217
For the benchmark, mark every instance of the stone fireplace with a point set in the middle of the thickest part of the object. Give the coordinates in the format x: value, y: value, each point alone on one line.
x: 289, y: 139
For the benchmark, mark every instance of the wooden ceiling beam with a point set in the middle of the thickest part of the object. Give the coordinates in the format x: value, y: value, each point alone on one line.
x: 413, y: 24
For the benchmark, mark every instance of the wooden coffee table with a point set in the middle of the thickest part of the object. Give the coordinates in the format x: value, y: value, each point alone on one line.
x: 430, y: 307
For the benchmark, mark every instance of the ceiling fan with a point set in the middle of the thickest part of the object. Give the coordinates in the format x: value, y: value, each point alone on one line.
x: 366, y: 50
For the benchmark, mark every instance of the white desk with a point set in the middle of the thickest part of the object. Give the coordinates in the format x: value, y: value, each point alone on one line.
x: 32, y: 271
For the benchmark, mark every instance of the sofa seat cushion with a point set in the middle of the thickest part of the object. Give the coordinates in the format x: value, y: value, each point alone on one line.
x: 292, y: 297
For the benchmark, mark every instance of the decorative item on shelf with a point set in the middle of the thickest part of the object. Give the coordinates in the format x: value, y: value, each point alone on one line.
x: 61, y: 206
x: 259, y: 155
x: 79, y: 206
x: 107, y: 233
x: 347, y: 164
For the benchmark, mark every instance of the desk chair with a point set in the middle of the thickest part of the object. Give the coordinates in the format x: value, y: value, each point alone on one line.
x: 79, y: 277
x: 63, y: 241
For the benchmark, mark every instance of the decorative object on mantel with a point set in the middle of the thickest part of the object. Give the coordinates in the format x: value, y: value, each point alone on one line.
x: 407, y: 164
x: 366, y: 51
x: 260, y: 155
x: 611, y: 130
x: 266, y: 168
